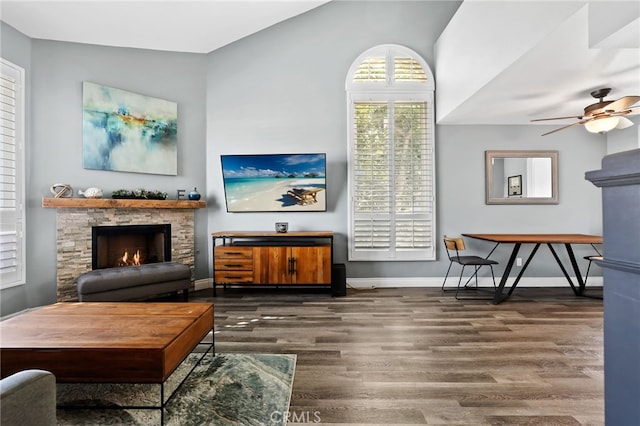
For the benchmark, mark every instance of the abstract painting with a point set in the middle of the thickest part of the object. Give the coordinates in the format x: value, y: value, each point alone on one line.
x: 128, y: 132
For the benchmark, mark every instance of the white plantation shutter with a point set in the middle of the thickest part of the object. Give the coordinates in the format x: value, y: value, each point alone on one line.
x: 413, y: 176
x: 371, y: 158
x: 371, y: 69
x: 12, y: 223
x: 408, y: 69
x: 391, y: 167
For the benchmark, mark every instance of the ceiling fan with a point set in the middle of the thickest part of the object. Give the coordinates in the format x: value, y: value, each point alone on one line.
x: 602, y: 116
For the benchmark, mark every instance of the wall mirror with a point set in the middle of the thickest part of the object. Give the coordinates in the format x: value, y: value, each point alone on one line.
x: 521, y: 177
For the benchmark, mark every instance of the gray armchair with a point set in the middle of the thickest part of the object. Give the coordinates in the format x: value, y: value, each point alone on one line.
x: 28, y: 397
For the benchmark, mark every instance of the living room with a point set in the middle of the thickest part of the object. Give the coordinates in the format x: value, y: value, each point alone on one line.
x: 220, y: 113
x: 281, y: 90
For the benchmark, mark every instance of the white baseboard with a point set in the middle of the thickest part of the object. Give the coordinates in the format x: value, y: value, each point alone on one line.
x: 206, y: 283
x: 203, y: 284
x: 452, y: 282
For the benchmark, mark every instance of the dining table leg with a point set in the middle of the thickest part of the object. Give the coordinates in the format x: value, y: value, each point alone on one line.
x: 498, y: 297
x: 572, y: 258
x: 576, y: 268
x: 524, y: 268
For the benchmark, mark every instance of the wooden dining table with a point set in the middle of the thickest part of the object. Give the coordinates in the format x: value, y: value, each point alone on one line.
x: 537, y: 239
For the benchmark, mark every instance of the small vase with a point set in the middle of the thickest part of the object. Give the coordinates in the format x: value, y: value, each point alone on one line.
x: 194, y: 195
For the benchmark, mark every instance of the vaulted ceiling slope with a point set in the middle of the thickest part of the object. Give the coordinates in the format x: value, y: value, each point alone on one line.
x: 497, y: 61
x: 199, y: 26
x: 507, y: 62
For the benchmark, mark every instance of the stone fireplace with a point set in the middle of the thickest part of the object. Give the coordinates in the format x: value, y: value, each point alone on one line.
x: 76, y: 218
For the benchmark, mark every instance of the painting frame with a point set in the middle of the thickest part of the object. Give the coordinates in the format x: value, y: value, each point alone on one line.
x: 124, y: 131
x: 514, y: 186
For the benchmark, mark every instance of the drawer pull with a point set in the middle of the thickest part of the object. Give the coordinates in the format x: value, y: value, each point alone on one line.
x: 231, y: 265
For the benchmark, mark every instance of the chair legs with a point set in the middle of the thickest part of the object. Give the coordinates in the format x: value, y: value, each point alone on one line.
x: 475, y: 274
x: 446, y: 275
x: 586, y: 276
x: 466, y: 284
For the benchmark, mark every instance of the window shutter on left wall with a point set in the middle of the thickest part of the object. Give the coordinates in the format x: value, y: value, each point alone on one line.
x: 12, y: 214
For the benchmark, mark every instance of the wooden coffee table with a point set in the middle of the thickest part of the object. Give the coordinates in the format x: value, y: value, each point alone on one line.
x: 100, y: 342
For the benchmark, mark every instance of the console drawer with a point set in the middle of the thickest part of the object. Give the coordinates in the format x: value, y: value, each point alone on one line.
x: 234, y: 252
x: 233, y: 264
x: 234, y: 277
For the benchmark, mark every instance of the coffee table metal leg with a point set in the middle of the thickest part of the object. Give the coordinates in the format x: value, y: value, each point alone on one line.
x: 163, y: 391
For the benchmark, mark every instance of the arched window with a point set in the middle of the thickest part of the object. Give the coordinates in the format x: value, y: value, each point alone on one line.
x: 391, y: 156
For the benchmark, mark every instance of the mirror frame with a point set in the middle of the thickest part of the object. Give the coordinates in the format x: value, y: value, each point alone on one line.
x: 491, y: 155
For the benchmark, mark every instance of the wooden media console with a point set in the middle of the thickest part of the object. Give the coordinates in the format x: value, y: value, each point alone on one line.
x: 272, y: 258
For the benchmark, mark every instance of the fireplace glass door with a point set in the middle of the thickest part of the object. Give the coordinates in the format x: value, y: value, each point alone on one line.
x: 130, y: 245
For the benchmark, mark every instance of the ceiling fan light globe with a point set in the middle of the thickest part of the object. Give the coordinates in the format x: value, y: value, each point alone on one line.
x: 624, y: 123
x: 602, y: 125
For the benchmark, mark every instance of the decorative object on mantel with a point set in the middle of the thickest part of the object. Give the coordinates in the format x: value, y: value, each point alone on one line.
x: 139, y: 194
x: 61, y: 190
x: 194, y: 195
x: 91, y: 192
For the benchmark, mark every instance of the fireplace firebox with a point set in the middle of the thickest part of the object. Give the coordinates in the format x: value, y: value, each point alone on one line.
x: 130, y: 245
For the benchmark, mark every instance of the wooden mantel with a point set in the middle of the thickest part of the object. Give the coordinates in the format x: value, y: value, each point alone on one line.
x: 108, y: 203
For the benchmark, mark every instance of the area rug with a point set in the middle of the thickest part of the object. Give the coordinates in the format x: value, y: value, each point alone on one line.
x: 225, y: 389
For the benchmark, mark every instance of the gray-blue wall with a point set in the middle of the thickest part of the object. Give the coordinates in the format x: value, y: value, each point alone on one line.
x: 16, y: 47
x: 280, y: 90
x: 55, y: 72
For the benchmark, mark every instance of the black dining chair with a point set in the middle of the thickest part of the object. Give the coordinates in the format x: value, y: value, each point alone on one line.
x: 455, y: 246
x: 591, y: 259
x: 598, y: 293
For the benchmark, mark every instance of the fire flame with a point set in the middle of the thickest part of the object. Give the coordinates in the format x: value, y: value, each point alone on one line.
x: 125, y: 261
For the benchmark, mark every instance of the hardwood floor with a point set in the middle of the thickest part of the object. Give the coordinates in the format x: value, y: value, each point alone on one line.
x: 418, y: 356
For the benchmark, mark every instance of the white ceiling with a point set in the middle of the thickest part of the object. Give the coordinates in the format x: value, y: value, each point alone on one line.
x: 199, y: 26
x: 507, y: 62
x: 498, y: 62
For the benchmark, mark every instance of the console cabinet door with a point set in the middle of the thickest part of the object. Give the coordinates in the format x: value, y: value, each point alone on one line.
x: 292, y: 265
x: 271, y: 265
x: 279, y: 260
x: 312, y: 265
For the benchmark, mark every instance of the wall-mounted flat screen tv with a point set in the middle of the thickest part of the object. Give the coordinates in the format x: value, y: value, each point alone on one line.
x: 275, y: 182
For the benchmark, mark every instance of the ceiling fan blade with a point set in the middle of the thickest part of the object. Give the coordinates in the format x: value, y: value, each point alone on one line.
x: 558, y: 118
x: 565, y: 127
x: 630, y: 111
x: 633, y: 111
x: 622, y: 103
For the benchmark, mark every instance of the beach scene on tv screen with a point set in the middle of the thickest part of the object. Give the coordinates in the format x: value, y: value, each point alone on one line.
x: 274, y: 182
